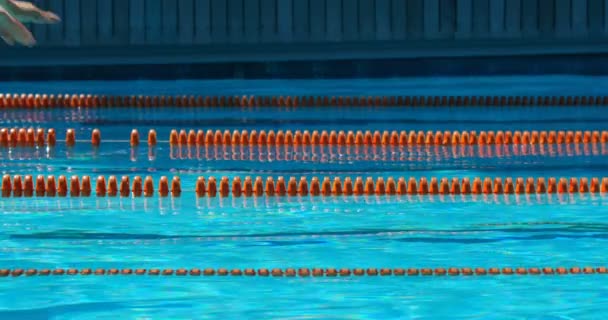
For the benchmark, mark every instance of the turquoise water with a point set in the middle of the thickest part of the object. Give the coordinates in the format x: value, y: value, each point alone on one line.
x: 339, y: 232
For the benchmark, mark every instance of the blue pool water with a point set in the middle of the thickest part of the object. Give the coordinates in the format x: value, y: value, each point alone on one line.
x: 341, y: 232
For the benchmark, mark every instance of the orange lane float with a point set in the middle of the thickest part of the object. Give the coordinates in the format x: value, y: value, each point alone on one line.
x: 312, y: 272
x: 30, y: 137
x: 152, y: 138
x: 96, y: 138
x: 70, y: 137
x: 18, y: 187
x: 22, y: 137
x: 379, y: 153
x: 14, y: 101
x: 134, y: 138
x: 248, y: 187
x: 375, y: 138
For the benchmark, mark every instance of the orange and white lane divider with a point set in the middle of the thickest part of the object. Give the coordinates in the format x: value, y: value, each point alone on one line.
x: 311, y: 272
x: 401, y: 138
x: 15, y: 101
x: 28, y: 137
x: 31, y: 137
x: 25, y: 186
x: 81, y: 187
x: 13, y: 137
x: 411, y: 154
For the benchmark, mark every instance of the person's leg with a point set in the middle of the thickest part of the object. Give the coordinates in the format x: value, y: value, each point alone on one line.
x: 14, y: 13
x: 27, y: 12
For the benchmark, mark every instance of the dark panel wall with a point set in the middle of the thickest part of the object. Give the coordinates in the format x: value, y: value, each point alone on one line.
x: 185, y: 22
x: 102, y: 31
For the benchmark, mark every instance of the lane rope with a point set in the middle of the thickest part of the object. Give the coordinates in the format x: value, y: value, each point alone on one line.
x: 23, y: 100
x: 411, y: 154
x: 400, y: 138
x: 375, y: 153
x: 25, y: 186
x: 310, y: 272
x: 14, y: 137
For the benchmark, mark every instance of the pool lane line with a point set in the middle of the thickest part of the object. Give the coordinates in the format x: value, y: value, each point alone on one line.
x: 27, y: 137
x: 324, y: 154
x: 319, y: 153
x: 248, y: 187
x: 394, y: 138
x: 13, y: 137
x: 30, y: 137
x: 24, y: 100
x: 309, y: 272
x: 375, y: 153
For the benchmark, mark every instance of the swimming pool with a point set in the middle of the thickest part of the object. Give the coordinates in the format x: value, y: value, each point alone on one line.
x: 294, y: 231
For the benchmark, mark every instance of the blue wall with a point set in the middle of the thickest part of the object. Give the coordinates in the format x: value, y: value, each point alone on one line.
x: 205, y: 31
x: 94, y: 23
